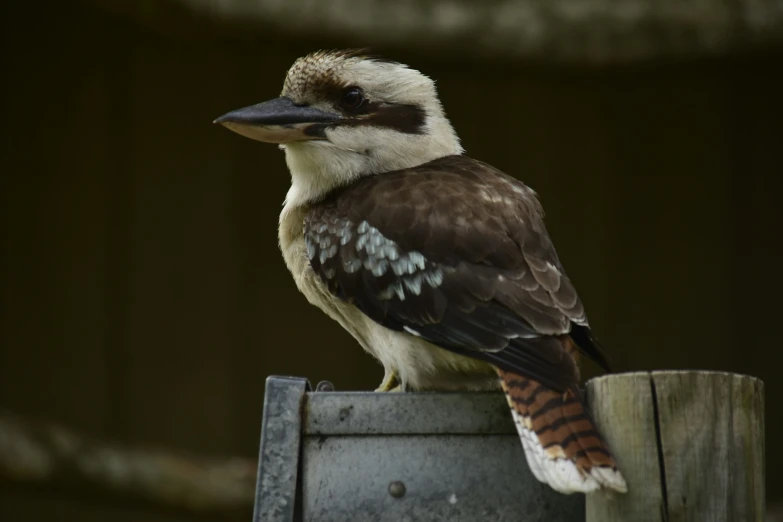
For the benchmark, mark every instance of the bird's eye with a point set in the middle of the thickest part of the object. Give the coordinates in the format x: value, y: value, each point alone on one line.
x: 352, y: 98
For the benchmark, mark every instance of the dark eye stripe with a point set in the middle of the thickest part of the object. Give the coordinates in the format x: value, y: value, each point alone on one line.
x: 408, y: 119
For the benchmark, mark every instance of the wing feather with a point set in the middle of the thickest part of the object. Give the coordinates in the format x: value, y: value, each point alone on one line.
x: 457, y: 252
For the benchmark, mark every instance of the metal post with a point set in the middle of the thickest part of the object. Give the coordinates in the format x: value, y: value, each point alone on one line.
x: 278, y: 460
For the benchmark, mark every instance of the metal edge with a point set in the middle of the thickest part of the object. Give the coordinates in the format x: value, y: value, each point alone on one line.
x: 371, y: 413
x: 278, y: 459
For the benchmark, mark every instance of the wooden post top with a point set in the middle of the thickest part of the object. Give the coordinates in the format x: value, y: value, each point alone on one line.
x: 689, y: 443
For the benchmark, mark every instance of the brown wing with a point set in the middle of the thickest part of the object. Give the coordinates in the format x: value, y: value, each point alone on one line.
x: 456, y: 252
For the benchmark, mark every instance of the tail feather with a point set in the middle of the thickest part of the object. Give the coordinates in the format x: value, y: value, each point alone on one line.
x: 562, y: 445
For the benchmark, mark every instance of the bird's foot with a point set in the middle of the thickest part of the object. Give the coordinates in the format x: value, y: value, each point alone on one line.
x: 390, y: 383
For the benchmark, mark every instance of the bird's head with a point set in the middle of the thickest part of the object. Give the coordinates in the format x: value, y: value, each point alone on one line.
x: 343, y: 115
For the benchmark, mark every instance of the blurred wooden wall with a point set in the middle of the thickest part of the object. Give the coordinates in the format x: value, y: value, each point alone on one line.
x: 143, y: 296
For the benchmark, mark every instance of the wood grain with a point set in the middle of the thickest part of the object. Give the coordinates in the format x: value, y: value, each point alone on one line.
x: 690, y: 444
x: 622, y: 407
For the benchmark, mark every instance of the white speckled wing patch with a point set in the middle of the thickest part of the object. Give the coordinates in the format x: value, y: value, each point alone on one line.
x: 364, y: 247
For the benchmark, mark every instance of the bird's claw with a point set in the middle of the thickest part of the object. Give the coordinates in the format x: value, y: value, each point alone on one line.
x: 390, y: 383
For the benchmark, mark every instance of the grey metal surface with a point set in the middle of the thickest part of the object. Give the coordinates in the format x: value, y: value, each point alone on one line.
x: 430, y: 457
x: 396, y: 457
x: 414, y: 478
x: 278, y: 461
x: 339, y: 413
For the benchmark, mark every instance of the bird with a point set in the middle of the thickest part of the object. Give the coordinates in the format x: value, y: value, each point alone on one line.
x: 439, y: 265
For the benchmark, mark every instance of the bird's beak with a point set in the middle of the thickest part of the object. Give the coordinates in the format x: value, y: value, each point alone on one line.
x: 278, y: 121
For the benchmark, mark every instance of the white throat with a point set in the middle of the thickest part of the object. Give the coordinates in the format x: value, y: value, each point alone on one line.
x: 318, y: 167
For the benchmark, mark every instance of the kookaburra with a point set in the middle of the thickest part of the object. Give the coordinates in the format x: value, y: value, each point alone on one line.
x: 439, y: 265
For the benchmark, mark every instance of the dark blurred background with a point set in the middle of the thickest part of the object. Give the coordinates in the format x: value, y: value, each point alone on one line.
x: 144, y: 300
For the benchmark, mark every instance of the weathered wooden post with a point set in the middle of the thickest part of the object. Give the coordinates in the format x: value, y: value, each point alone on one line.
x: 690, y: 445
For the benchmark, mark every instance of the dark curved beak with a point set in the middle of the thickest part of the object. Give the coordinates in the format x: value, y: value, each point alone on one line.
x: 278, y: 121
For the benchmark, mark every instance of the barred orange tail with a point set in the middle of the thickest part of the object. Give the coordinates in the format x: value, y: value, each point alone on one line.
x: 562, y: 445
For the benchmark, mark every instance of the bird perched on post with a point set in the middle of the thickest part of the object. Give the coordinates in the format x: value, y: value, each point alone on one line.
x: 439, y: 265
